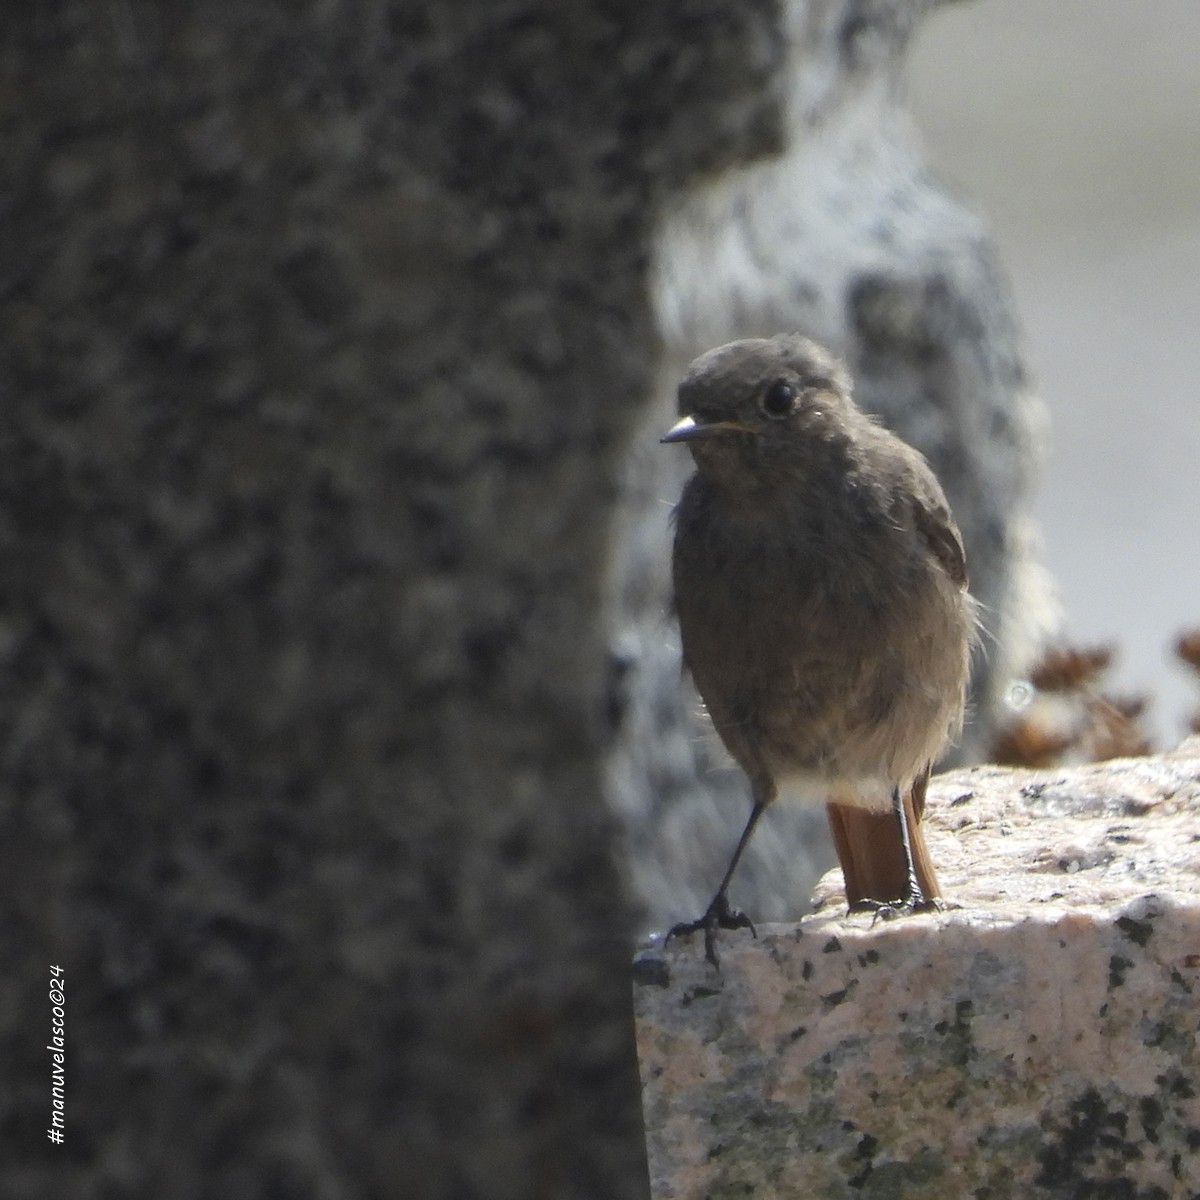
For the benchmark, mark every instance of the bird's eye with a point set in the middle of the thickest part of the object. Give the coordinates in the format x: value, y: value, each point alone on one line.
x: 778, y: 399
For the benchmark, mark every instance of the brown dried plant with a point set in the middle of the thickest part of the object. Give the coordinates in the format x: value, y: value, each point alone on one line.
x: 1187, y: 650
x: 1070, y: 718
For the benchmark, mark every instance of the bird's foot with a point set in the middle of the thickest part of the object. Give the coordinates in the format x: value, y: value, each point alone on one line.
x: 904, y: 906
x: 717, y: 916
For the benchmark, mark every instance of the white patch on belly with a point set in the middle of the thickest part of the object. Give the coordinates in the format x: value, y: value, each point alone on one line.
x: 812, y: 789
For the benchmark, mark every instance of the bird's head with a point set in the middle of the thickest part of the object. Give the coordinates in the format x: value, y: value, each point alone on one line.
x: 752, y: 404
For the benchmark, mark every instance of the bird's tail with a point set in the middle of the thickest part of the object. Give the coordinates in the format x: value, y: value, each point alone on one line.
x: 871, y: 852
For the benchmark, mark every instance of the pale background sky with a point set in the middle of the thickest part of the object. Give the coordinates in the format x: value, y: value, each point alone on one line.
x: 1074, y: 126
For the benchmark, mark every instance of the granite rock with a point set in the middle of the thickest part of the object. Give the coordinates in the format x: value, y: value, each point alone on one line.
x: 1035, y: 1038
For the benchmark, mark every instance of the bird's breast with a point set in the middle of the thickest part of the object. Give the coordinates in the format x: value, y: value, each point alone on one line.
x: 819, y: 640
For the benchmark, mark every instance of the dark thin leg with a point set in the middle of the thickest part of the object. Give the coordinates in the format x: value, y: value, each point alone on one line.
x: 719, y: 915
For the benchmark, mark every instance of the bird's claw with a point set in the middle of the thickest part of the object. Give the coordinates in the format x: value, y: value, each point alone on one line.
x: 904, y: 906
x: 718, y: 915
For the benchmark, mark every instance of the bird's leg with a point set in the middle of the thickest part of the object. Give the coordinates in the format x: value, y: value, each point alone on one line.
x: 913, y: 898
x: 719, y: 915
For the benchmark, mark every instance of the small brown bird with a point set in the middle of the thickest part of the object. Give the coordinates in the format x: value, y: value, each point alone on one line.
x: 820, y: 585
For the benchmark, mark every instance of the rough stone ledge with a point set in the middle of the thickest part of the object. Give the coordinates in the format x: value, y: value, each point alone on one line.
x: 1037, y: 1038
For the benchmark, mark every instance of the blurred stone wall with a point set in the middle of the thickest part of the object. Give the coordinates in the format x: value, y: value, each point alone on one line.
x: 323, y: 325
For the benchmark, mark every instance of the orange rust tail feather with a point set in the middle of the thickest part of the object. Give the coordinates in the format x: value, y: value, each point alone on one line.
x: 870, y: 852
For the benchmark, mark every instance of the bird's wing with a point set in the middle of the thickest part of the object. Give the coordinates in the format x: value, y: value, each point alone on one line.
x: 937, y: 527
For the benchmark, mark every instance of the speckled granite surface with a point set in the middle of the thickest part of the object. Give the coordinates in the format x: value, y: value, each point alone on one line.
x: 1036, y: 1038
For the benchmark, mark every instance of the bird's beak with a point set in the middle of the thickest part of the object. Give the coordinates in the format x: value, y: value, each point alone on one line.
x: 688, y: 429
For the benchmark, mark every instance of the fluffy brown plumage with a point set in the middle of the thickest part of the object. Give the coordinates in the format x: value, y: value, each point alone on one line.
x: 820, y: 586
